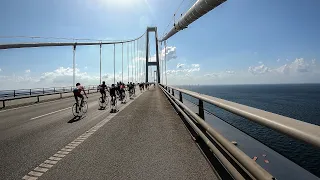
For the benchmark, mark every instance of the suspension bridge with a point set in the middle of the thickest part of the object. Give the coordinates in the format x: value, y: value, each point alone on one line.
x: 158, y: 134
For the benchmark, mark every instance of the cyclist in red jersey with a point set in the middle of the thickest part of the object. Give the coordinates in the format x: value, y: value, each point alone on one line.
x: 77, y: 93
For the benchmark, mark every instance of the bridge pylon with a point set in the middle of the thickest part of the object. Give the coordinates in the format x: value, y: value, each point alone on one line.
x: 152, y: 29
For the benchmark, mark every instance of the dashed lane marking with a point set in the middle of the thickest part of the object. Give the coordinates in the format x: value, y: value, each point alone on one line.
x: 58, y: 156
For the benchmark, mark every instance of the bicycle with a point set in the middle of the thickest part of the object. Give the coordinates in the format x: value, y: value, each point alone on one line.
x: 130, y: 93
x: 123, y: 97
x: 81, y: 110
x: 113, y: 104
x: 104, y: 104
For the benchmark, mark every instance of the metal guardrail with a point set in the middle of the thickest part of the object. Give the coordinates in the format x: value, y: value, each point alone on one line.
x: 249, y: 166
x: 296, y: 129
x: 7, y: 95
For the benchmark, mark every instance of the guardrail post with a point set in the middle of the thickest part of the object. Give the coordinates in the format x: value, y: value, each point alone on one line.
x: 3, y: 104
x: 30, y: 92
x: 180, y: 96
x: 172, y: 92
x: 60, y: 95
x: 38, y: 99
x: 63, y: 89
x: 201, y: 110
x: 14, y: 93
x: 54, y: 90
x: 43, y: 90
x: 88, y: 91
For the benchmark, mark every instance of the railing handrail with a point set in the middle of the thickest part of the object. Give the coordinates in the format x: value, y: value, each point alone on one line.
x: 306, y: 132
x: 45, y: 88
x: 251, y: 166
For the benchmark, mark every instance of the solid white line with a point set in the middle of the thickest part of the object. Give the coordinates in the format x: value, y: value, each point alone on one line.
x: 50, y: 113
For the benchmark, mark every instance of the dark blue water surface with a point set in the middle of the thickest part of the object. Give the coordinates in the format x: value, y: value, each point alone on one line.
x: 298, y: 101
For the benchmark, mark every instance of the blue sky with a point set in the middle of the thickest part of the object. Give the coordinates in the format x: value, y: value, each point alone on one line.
x: 239, y: 42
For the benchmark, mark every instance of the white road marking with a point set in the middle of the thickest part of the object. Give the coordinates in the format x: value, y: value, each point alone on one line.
x: 29, y: 178
x: 46, y: 165
x: 51, y: 161
x: 50, y: 113
x: 59, y: 155
x: 41, y: 169
x: 55, y: 158
x: 62, y: 152
x: 33, y: 173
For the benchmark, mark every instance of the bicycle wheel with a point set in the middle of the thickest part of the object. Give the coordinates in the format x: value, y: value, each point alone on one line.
x: 101, y: 103
x: 115, y: 103
x: 106, y: 100
x: 74, y: 111
x: 84, y: 109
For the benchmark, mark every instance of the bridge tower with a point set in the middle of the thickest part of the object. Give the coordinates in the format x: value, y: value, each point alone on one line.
x: 152, y: 29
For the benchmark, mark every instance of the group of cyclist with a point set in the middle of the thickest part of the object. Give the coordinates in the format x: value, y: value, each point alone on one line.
x: 116, y: 89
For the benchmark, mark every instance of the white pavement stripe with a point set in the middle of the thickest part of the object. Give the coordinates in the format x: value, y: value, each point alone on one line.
x: 59, y: 155
x: 73, y: 145
x: 50, y: 162
x: 41, y: 169
x: 29, y: 178
x: 55, y: 158
x: 63, y: 152
x: 50, y: 113
x: 63, y: 149
x: 33, y: 173
x: 44, y: 167
x: 75, y: 142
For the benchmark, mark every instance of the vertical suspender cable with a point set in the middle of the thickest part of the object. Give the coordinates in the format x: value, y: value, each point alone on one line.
x: 132, y: 57
x: 165, y: 60
x: 139, y: 63
x: 128, y: 59
x: 74, y: 64
x: 100, y: 62
x: 122, y: 64
x: 114, y: 63
x: 135, y: 60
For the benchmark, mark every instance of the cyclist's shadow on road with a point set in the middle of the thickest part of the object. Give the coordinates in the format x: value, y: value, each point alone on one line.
x: 75, y: 119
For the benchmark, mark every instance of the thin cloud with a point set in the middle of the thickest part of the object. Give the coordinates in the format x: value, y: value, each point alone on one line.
x: 180, y: 65
x: 28, y: 71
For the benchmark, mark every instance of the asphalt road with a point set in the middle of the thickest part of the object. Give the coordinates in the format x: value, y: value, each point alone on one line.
x: 30, y: 134
x: 155, y: 145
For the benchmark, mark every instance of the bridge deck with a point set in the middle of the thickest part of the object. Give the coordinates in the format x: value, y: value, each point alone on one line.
x: 146, y: 140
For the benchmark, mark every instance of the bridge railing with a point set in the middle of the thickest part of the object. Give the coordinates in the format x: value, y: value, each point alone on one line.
x: 7, y: 95
x: 305, y: 132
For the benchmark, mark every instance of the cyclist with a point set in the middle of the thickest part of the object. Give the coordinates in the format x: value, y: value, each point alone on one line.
x: 77, y: 93
x: 103, y: 88
x: 134, y: 88
x: 130, y: 88
x: 122, y: 90
x: 113, y: 97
